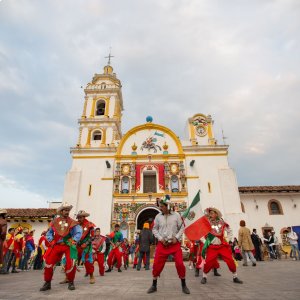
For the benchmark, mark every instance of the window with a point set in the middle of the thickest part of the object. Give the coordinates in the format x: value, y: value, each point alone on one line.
x: 149, y: 185
x: 242, y: 207
x: 100, y: 108
x: 103, y: 85
x: 275, y: 207
x: 174, y: 184
x: 97, y: 135
x: 125, y: 185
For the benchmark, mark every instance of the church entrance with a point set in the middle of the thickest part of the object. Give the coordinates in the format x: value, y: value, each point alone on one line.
x: 146, y: 215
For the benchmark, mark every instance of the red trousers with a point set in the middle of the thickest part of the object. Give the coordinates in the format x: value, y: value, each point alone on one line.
x: 216, y: 264
x: 53, y: 256
x: 89, y: 267
x: 114, y: 254
x: 161, y: 255
x: 99, y: 258
x: 212, y: 253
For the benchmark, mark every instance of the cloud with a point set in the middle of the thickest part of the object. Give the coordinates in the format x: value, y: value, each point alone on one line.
x: 235, y: 60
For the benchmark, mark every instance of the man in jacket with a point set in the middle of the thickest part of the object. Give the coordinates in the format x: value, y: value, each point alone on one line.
x: 145, y: 241
x: 245, y: 243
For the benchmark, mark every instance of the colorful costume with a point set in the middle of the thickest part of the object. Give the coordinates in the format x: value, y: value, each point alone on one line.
x: 84, y: 247
x: 115, y: 254
x: 99, y: 247
x: 63, y: 235
x: 216, y: 245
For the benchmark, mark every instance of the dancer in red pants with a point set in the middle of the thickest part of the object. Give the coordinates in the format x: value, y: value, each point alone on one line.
x: 63, y: 235
x: 99, y: 247
x: 216, y: 245
x: 116, y: 239
x: 168, y: 229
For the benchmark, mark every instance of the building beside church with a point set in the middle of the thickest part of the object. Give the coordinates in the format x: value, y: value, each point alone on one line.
x: 117, y: 177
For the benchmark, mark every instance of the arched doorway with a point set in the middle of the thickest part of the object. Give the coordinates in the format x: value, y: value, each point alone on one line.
x: 146, y: 215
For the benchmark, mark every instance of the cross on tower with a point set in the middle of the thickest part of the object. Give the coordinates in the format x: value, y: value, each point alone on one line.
x: 109, y: 56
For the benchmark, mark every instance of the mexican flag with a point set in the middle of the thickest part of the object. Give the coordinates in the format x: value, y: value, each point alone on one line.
x: 196, y: 224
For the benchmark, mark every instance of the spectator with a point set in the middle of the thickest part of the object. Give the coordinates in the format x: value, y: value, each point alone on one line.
x: 293, y: 240
x: 3, y: 229
x: 28, y: 249
x: 146, y: 239
x: 269, y: 240
x: 245, y: 244
x: 257, y: 244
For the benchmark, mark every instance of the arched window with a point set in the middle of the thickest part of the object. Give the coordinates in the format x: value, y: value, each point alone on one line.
x: 97, y: 135
x: 242, y: 207
x: 100, y: 108
x: 275, y: 207
x: 125, y: 185
x: 174, y: 184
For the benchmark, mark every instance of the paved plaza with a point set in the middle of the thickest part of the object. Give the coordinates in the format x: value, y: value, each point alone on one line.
x: 268, y: 280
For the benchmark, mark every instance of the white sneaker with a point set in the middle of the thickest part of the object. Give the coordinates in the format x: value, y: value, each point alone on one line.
x: 191, y: 267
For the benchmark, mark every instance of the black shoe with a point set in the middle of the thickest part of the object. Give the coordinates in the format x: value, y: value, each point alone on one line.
x: 138, y: 269
x: 125, y: 267
x: 185, y: 290
x: 216, y: 272
x: 46, y: 286
x: 197, y: 271
x: 254, y: 264
x: 15, y: 271
x: 152, y: 289
x: 108, y: 270
x: 236, y: 280
x: 71, y: 286
x: 203, y: 280
x: 119, y: 270
x: 134, y: 266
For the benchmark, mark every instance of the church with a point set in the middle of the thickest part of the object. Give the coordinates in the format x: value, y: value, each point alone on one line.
x: 117, y: 177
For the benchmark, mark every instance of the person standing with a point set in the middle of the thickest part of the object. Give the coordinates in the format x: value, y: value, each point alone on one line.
x: 146, y: 239
x: 293, y: 240
x: 63, y: 235
x: 28, y: 249
x: 168, y: 229
x: 99, y: 247
x: 7, y: 249
x: 257, y: 245
x: 84, y: 246
x: 3, y: 230
x: 116, y: 239
x: 216, y: 244
x: 245, y: 244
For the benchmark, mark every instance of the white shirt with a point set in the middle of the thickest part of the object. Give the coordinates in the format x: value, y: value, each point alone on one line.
x: 293, y: 238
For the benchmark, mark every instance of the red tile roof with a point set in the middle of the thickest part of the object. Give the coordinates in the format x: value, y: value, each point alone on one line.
x: 30, y: 212
x: 269, y: 189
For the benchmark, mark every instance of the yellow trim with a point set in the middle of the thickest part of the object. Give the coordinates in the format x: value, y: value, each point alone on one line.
x: 192, y: 177
x: 209, y: 187
x: 79, y: 138
x: 192, y: 131
x: 91, y: 157
x: 199, y: 115
x: 93, y: 108
x: 84, y: 108
x: 209, y: 131
x: 107, y: 100
x: 146, y: 195
x: 107, y: 178
x: 153, y: 157
x: 88, y: 142
x: 208, y: 154
x: 103, y: 140
x: 150, y: 126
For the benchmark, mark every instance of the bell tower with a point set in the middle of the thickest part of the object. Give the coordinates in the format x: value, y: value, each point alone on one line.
x: 200, y: 130
x: 100, y: 123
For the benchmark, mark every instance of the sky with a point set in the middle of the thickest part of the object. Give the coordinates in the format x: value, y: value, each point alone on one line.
x: 236, y: 60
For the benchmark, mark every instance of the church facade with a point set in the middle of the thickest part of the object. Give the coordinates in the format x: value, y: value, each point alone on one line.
x: 117, y: 177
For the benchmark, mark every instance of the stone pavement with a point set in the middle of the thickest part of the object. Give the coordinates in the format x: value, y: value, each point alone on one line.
x: 268, y: 280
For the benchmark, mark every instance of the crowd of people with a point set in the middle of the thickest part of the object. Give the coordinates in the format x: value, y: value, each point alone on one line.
x: 72, y: 243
